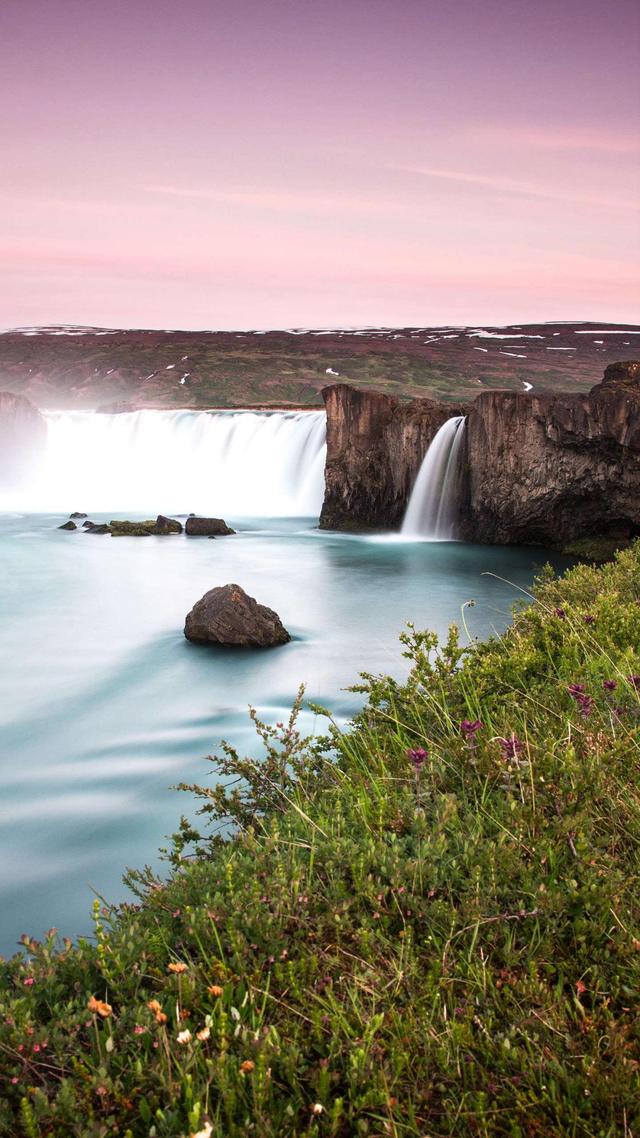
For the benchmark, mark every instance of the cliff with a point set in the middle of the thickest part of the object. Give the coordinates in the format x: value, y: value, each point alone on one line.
x: 375, y: 445
x: 22, y: 435
x: 550, y: 469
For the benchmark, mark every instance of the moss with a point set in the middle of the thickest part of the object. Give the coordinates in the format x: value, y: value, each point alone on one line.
x: 596, y: 548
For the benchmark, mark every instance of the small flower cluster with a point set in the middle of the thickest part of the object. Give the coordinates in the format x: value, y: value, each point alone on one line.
x: 469, y: 729
x: 510, y: 747
x: 158, y: 1013
x: 584, y: 702
x: 99, y: 1007
x: 417, y: 757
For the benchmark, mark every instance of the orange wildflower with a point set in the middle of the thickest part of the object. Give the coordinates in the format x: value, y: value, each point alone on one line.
x: 154, y: 1007
x: 177, y: 968
x: 99, y: 1007
x: 247, y: 1066
x: 215, y: 990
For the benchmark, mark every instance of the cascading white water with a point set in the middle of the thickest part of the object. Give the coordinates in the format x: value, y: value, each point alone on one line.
x: 431, y: 512
x: 240, y: 463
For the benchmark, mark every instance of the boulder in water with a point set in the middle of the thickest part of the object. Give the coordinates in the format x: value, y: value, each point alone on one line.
x: 102, y: 528
x: 166, y: 525
x: 77, y: 514
x: 160, y: 527
x: 207, y: 527
x: 68, y: 525
x: 227, y: 616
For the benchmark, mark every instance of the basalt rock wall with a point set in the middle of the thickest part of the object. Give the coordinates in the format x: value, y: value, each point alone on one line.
x: 547, y: 469
x: 551, y: 469
x: 23, y: 432
x: 375, y: 446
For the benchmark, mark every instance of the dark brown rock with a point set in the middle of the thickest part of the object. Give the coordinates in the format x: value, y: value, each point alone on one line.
x: 23, y: 434
x: 101, y: 528
x: 207, y: 527
x: 375, y: 446
x: 167, y: 525
x: 551, y: 469
x: 227, y: 616
x: 77, y: 514
x: 68, y: 525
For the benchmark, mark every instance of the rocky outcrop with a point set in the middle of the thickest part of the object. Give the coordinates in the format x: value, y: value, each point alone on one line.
x: 207, y: 527
x: 227, y: 616
x: 550, y: 469
x: 375, y: 446
x: 159, y: 528
x: 23, y: 434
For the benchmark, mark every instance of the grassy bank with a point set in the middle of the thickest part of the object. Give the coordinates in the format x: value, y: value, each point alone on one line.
x: 427, y: 926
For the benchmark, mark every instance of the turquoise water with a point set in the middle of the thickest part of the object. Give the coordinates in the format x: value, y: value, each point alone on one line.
x: 105, y: 705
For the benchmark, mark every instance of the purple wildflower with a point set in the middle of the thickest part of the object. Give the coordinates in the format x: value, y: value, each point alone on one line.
x: 510, y: 747
x: 589, y: 619
x: 560, y: 613
x: 575, y: 690
x: 609, y: 685
x: 469, y: 727
x: 585, y: 704
x: 417, y: 757
x: 634, y: 681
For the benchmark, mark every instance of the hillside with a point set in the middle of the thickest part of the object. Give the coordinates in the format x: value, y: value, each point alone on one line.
x: 425, y: 925
x: 68, y: 367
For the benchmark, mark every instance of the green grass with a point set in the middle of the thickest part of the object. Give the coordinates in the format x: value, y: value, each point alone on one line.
x: 374, y: 948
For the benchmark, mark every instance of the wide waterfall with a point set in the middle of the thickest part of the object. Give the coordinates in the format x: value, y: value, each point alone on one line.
x: 236, y: 463
x: 432, y: 508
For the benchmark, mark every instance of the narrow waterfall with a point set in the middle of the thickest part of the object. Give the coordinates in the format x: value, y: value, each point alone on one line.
x: 432, y: 508
x: 240, y: 463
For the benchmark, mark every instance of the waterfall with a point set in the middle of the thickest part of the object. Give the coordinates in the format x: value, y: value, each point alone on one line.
x: 240, y: 463
x: 433, y: 503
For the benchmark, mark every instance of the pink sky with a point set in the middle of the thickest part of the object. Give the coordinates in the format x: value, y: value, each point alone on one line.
x: 276, y: 163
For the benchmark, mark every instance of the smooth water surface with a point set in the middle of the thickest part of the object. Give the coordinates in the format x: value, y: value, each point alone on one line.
x: 105, y: 705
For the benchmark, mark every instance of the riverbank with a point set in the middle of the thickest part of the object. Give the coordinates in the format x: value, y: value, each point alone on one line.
x: 427, y: 925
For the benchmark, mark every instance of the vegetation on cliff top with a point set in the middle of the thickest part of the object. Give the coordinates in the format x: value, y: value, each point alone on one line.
x: 426, y: 925
x: 94, y: 368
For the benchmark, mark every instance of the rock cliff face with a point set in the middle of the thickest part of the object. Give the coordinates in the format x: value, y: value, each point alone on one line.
x: 375, y: 446
x: 23, y: 432
x: 550, y: 469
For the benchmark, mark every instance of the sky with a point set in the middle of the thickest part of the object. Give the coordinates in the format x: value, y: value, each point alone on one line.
x: 318, y: 163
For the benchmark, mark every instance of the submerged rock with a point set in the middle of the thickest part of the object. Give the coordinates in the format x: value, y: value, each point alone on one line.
x: 102, y: 528
x: 207, y: 527
x: 130, y: 529
x: 226, y: 615
x: 68, y: 525
x: 160, y: 527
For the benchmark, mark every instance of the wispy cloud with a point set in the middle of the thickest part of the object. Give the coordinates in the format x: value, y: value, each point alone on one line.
x: 280, y: 201
x: 502, y: 185
x: 565, y: 138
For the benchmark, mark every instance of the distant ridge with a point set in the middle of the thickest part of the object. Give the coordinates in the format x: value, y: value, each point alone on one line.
x: 67, y: 366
